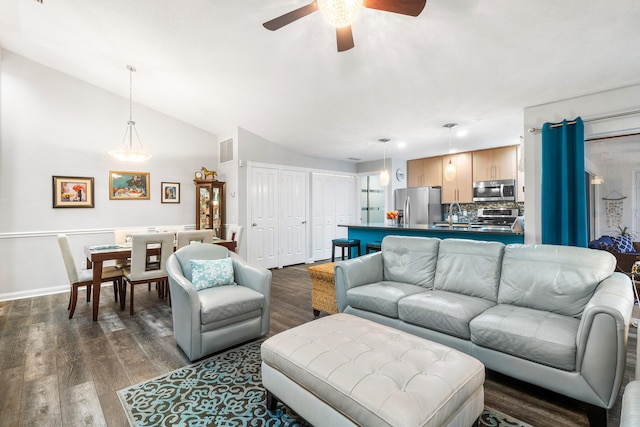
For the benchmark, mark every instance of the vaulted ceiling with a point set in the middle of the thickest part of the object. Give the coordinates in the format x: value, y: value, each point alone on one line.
x: 212, y: 64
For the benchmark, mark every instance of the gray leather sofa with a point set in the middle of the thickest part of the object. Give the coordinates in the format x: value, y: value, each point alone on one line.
x: 219, y: 317
x: 553, y: 316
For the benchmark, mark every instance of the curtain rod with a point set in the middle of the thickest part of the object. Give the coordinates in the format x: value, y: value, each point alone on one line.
x: 592, y: 119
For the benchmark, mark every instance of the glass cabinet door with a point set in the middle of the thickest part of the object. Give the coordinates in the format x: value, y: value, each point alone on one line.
x: 204, y: 202
x: 210, y: 206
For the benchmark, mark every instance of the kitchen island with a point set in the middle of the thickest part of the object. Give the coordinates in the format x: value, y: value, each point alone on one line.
x: 368, y: 233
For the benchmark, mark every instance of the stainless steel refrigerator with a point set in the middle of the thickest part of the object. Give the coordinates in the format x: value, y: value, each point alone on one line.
x: 423, y: 203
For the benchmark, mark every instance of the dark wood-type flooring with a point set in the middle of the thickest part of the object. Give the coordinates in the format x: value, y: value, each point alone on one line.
x: 60, y: 372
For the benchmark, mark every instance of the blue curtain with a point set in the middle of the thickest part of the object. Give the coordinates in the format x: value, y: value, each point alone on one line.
x: 564, y: 192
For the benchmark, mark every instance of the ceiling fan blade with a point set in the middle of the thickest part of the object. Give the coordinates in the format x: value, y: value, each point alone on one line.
x: 290, y: 17
x: 404, y: 7
x: 344, y: 37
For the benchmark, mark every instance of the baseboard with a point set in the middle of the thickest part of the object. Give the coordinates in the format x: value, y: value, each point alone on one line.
x: 39, y: 292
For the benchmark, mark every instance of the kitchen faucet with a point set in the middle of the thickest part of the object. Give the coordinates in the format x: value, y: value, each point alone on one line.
x: 450, y: 219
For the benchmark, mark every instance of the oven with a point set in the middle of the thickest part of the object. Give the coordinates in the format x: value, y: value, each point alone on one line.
x: 495, y: 219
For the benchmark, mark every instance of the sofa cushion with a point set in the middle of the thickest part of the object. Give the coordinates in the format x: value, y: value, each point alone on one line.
x: 604, y: 242
x: 442, y: 311
x: 623, y: 244
x: 410, y: 259
x: 227, y: 302
x: 559, y: 279
x: 381, y: 297
x: 536, y: 335
x: 469, y: 267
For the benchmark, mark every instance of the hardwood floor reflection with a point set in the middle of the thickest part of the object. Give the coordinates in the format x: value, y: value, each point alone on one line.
x: 56, y: 371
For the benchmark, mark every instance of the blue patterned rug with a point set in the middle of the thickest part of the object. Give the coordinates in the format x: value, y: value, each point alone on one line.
x: 223, y: 390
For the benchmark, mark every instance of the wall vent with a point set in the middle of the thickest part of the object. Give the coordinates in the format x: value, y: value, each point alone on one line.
x: 226, y: 150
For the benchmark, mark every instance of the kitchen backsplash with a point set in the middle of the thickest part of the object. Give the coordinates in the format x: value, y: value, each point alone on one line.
x: 472, y: 208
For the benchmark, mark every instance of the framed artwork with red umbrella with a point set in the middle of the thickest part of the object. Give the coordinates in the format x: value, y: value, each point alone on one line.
x: 72, y: 192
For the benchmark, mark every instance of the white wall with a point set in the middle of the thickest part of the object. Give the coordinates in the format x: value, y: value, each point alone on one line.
x: 53, y: 124
x: 587, y: 106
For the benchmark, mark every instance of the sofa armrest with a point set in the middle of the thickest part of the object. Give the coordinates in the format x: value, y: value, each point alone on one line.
x: 356, y: 272
x: 602, y: 336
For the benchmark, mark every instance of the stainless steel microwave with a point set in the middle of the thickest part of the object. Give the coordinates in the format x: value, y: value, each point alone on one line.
x: 494, y: 191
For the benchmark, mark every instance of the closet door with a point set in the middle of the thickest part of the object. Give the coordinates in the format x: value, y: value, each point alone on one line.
x: 293, y: 201
x: 264, y: 215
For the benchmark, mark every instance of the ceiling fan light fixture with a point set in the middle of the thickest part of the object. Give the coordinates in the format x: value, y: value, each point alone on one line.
x: 340, y: 13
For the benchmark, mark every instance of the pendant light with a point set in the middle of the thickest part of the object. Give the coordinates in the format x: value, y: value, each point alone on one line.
x: 384, y: 175
x: 450, y: 169
x: 127, y: 152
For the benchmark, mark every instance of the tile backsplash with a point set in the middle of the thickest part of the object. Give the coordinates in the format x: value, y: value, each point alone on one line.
x: 472, y: 208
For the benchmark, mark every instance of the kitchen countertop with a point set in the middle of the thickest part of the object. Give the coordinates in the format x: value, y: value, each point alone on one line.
x: 457, y: 228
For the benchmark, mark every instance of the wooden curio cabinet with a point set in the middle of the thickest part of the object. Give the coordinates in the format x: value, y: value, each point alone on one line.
x: 210, y: 205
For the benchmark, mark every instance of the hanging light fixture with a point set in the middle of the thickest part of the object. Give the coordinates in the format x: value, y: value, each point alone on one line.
x: 450, y: 169
x: 384, y: 175
x: 340, y: 13
x: 127, y: 152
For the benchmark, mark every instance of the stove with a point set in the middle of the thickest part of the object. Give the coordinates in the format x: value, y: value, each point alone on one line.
x: 495, y: 219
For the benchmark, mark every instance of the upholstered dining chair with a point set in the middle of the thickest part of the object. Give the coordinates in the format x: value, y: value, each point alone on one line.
x: 122, y: 237
x: 234, y: 232
x: 194, y: 236
x: 218, y: 300
x: 140, y: 271
x: 79, y: 278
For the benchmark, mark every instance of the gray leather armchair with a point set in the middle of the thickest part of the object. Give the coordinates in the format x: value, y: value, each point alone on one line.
x: 219, y: 317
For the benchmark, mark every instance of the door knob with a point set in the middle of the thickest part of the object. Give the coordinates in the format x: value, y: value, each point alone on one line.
x: 254, y: 224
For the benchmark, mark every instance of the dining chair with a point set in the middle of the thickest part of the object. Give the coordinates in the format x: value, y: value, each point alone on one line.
x: 123, y: 237
x: 161, y: 244
x: 234, y: 232
x: 83, y: 277
x: 175, y: 229
x: 194, y: 236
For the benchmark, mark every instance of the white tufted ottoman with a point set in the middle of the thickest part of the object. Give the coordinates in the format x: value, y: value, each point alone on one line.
x: 343, y: 370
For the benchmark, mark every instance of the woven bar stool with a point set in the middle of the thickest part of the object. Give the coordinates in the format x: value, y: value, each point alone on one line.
x: 373, y: 247
x: 344, y: 244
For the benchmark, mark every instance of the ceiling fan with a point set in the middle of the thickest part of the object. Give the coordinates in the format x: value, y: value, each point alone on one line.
x: 342, y: 13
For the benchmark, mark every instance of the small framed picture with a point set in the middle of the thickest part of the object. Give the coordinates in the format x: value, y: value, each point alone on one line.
x: 170, y: 192
x: 128, y: 185
x: 72, y: 192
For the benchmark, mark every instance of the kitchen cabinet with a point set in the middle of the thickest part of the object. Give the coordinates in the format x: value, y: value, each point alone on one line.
x: 210, y: 206
x: 461, y: 188
x: 425, y: 172
x: 495, y: 163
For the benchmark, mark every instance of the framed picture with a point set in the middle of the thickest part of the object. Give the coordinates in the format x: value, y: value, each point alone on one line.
x: 72, y: 192
x: 128, y: 185
x: 170, y: 192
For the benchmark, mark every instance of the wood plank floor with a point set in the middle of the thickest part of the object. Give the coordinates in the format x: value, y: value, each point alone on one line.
x: 60, y: 372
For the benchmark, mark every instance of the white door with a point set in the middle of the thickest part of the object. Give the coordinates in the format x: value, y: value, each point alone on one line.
x: 323, y: 215
x: 263, y: 225
x: 293, y: 197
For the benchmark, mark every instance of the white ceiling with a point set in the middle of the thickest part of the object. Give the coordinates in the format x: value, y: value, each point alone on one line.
x: 212, y: 64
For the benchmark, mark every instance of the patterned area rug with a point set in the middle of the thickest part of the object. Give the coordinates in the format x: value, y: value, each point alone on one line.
x: 223, y: 390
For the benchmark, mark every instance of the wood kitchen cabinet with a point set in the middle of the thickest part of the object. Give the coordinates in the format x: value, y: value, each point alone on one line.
x: 495, y: 163
x: 425, y: 172
x: 210, y: 205
x: 461, y: 188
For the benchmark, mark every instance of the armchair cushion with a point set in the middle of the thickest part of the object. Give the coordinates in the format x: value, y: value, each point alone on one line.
x: 229, y: 303
x: 207, y: 273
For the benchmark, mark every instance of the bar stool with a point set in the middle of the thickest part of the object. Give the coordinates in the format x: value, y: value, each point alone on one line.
x: 373, y: 247
x: 344, y: 244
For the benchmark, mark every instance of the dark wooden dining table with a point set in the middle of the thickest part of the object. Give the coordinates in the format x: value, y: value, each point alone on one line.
x: 97, y: 255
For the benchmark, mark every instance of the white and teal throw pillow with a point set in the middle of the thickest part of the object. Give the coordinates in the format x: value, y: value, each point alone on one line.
x: 207, y: 273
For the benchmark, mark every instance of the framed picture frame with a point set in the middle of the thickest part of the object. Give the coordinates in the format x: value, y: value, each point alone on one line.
x: 170, y: 192
x: 73, y: 192
x: 124, y: 185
